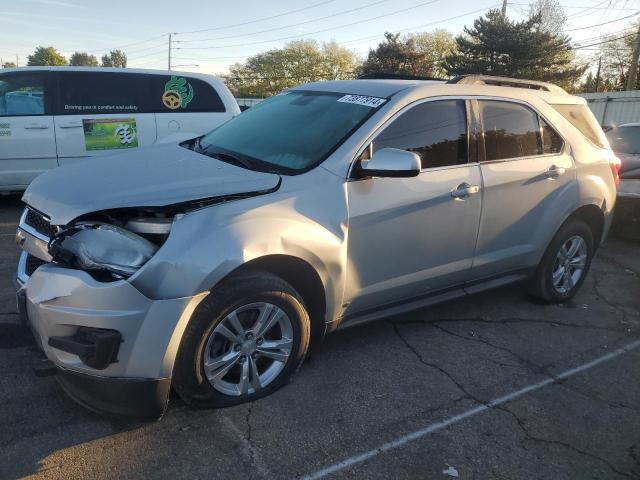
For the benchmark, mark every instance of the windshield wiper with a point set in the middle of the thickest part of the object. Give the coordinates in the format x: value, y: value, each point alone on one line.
x: 227, y: 157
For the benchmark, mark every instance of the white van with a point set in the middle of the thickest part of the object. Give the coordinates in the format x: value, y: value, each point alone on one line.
x: 51, y: 116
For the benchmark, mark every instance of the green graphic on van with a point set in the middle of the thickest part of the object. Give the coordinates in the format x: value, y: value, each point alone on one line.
x: 177, y: 93
x: 109, y: 134
x: 5, y: 129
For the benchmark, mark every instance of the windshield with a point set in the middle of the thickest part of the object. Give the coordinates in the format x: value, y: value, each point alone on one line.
x: 625, y: 139
x: 291, y: 132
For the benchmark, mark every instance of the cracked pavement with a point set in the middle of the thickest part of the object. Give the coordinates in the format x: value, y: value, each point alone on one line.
x: 366, y: 386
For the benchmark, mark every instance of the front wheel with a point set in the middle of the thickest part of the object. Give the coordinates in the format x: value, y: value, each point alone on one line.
x: 565, y: 263
x: 244, y: 341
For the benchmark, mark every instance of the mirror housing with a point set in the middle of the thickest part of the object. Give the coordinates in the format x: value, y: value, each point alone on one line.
x: 391, y: 162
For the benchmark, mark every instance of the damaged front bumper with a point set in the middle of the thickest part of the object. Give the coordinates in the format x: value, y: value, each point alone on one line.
x: 68, y: 309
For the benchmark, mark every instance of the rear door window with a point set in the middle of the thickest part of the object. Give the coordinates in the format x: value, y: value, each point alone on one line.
x: 511, y: 130
x: 178, y: 93
x: 23, y: 94
x: 436, y: 131
x: 99, y: 93
x: 552, y: 142
x: 580, y: 116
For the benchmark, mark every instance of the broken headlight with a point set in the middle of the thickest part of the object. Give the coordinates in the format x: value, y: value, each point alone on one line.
x: 102, y: 247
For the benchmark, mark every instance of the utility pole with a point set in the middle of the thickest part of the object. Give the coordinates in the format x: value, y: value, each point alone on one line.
x: 598, y: 74
x: 169, y: 68
x: 17, y: 62
x: 633, y: 70
x: 504, y: 8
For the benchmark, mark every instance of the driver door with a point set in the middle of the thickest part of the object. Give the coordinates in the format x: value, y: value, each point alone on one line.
x: 412, y: 237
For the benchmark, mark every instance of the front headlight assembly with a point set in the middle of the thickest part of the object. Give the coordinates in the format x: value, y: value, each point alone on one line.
x: 102, y: 247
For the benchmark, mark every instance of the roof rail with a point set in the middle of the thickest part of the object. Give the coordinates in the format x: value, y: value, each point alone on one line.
x: 507, y: 82
x: 395, y: 76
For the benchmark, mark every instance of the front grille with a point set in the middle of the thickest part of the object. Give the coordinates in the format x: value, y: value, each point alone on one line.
x: 31, y: 264
x: 40, y: 224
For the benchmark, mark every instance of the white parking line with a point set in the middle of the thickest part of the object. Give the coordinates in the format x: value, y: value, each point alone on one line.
x: 434, y: 427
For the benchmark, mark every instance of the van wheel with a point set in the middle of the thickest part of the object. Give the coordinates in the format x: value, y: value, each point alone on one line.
x: 565, y: 263
x: 243, y: 342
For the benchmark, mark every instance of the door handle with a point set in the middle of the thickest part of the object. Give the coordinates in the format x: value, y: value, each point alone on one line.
x: 71, y: 125
x: 555, y: 171
x: 464, y: 190
x: 36, y: 126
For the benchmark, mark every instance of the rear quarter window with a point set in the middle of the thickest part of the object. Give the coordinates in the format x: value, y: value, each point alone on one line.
x: 179, y: 93
x: 580, y: 116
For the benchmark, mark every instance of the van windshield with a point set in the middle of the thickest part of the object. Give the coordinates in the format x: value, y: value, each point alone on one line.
x: 291, y: 132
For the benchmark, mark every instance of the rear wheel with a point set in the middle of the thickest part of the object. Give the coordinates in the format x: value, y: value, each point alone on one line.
x: 243, y: 342
x: 565, y: 264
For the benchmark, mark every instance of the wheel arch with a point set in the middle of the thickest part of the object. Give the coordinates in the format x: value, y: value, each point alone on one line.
x: 593, y: 216
x: 303, y: 277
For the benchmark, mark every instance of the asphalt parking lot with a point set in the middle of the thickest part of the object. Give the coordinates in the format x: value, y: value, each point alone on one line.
x: 494, y: 386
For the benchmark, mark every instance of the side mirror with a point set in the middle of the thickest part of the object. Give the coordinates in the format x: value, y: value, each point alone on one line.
x: 391, y: 162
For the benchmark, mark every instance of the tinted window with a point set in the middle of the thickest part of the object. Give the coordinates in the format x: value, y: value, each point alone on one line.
x: 22, y: 95
x: 581, y: 117
x: 182, y: 94
x: 89, y: 92
x: 551, y: 141
x: 510, y: 130
x: 437, y: 131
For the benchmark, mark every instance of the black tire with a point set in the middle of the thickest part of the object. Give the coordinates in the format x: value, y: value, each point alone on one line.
x: 189, y: 379
x: 542, y: 283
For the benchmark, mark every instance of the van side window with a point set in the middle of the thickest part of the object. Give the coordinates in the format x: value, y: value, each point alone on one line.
x: 436, y: 131
x: 551, y: 141
x: 22, y: 95
x: 178, y: 93
x: 511, y: 130
x: 95, y: 93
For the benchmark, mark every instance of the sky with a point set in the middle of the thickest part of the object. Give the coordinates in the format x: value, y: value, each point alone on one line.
x: 208, y: 36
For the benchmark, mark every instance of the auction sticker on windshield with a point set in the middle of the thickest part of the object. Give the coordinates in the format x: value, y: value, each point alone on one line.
x: 110, y: 134
x: 373, y: 102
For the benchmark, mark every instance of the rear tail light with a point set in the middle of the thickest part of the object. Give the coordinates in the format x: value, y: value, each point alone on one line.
x: 615, y: 164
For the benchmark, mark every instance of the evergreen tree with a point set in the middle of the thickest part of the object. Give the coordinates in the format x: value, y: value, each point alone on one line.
x: 498, y: 46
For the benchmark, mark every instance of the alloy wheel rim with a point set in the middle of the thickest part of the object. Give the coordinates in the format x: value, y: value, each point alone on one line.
x: 248, y: 349
x: 569, y: 264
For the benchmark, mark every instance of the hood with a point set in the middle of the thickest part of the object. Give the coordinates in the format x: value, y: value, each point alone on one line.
x: 154, y: 176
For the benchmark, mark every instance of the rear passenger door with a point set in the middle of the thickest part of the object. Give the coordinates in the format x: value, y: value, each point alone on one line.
x: 185, y: 107
x: 101, y: 112
x: 528, y: 187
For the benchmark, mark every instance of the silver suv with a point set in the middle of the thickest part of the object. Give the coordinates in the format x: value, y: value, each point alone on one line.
x: 213, y: 266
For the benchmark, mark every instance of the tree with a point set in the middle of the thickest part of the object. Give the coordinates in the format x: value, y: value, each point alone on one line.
x: 552, y: 16
x: 83, y: 59
x: 436, y: 46
x: 9, y: 65
x: 115, y: 58
x: 298, y: 62
x: 399, y: 56
x: 498, y: 46
x: 46, y: 56
x: 615, y: 54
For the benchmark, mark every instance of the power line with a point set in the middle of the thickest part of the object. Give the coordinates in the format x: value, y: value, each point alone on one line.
x: 605, y: 23
x: 436, y: 22
x: 344, y: 12
x: 312, y: 33
x: 603, y: 42
x: 256, y: 20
